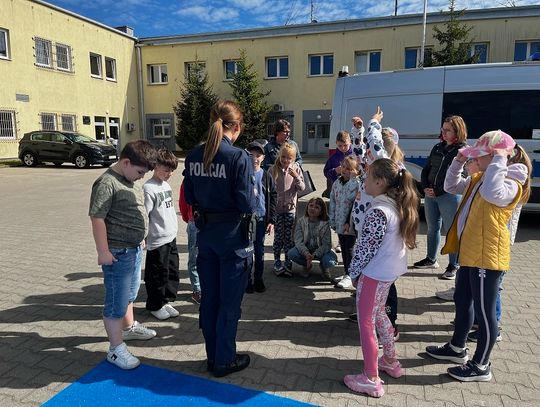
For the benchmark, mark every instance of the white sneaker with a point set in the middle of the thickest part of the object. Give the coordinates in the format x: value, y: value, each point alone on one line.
x: 122, y: 357
x: 338, y: 279
x: 161, y: 313
x: 346, y: 282
x: 446, y: 295
x: 171, y: 310
x: 138, y: 331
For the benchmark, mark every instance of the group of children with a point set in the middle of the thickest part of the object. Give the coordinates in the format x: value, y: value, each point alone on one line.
x: 374, y: 211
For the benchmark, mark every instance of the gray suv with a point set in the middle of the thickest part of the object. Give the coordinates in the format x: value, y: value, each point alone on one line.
x: 59, y: 147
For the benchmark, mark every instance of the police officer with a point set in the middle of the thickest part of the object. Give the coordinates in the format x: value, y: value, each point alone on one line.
x: 219, y: 183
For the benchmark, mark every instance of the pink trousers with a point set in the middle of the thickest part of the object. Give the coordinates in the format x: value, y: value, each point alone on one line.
x: 370, y: 302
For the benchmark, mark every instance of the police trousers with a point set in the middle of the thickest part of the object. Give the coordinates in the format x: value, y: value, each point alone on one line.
x: 223, y: 272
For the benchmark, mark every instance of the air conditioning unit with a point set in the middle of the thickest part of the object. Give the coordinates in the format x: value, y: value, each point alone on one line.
x: 278, y: 107
x: 130, y: 126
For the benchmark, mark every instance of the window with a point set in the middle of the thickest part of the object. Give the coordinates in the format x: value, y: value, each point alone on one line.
x: 157, y: 74
x: 68, y: 122
x: 95, y: 65
x: 161, y: 128
x: 48, y: 121
x: 412, y: 56
x: 318, y: 130
x: 321, y: 65
x: 231, y: 68
x: 480, y: 49
x: 367, y: 61
x: 4, y: 42
x: 110, y: 69
x: 63, y: 57
x: 198, y: 68
x: 277, y: 67
x: 7, y: 124
x: 516, y: 111
x: 43, y: 52
x: 524, y: 49
x: 99, y: 128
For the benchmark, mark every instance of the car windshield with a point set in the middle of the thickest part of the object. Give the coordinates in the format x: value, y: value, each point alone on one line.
x: 80, y: 138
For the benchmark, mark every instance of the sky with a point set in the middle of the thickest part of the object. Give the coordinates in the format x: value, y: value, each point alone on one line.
x: 151, y: 18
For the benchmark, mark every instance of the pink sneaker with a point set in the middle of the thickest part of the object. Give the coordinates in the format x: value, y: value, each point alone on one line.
x: 392, y: 369
x: 361, y: 384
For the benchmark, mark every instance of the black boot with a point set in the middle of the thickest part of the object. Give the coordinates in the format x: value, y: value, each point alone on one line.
x: 240, y: 363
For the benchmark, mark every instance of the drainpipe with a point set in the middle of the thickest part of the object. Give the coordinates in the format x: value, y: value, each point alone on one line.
x: 142, y: 121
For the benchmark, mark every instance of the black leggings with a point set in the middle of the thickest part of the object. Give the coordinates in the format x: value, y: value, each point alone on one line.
x: 476, y: 294
x: 391, y: 304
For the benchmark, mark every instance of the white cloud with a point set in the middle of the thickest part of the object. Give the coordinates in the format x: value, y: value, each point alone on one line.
x: 195, y: 11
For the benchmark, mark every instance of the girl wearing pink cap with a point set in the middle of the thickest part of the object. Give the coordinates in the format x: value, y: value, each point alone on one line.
x: 480, y: 236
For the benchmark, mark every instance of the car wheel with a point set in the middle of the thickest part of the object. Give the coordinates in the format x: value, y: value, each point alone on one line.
x: 29, y: 159
x: 58, y: 164
x: 81, y: 161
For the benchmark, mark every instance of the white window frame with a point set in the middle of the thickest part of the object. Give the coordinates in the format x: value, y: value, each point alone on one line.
x: 8, y: 125
x: 48, y: 119
x: 68, y: 57
x: 278, y: 60
x: 160, y: 70
x: 472, y: 50
x: 69, y: 122
x: 113, y: 65
x: 418, y: 50
x: 43, y: 49
x: 161, y: 124
x: 188, y: 66
x: 100, y: 68
x: 225, y: 61
x: 528, y: 50
x: 5, y: 43
x: 368, y: 54
x: 321, y: 64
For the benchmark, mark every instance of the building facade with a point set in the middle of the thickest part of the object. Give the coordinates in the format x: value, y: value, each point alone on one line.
x: 61, y: 70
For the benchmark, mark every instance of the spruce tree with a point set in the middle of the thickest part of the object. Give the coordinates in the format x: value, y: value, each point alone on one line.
x: 193, y: 109
x: 251, y: 98
x: 454, y: 43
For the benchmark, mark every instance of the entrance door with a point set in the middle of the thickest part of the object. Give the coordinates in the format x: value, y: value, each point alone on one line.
x: 114, y: 131
x: 99, y: 126
x: 318, y: 136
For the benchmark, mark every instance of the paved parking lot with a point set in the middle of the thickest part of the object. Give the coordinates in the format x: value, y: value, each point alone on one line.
x: 301, y: 345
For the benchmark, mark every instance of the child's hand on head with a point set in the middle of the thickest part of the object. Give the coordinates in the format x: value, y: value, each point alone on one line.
x: 461, y: 158
x: 500, y: 151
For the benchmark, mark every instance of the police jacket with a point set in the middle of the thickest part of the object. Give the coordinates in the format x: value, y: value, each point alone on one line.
x: 270, y: 197
x: 227, y: 187
x: 434, y: 172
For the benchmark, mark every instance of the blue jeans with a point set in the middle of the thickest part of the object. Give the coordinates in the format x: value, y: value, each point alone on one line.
x: 122, y: 280
x: 192, y: 256
x: 258, y: 249
x: 440, y: 211
x: 328, y: 260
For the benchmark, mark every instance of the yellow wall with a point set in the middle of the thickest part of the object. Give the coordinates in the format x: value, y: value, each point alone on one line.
x: 300, y: 92
x: 51, y: 90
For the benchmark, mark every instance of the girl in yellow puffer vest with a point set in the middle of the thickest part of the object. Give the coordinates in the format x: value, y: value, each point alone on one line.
x: 479, y: 234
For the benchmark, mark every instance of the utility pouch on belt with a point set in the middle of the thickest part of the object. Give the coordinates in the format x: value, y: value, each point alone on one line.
x: 248, y: 224
x: 198, y: 219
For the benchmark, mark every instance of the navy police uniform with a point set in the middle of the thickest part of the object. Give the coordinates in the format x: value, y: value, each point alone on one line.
x: 221, y: 197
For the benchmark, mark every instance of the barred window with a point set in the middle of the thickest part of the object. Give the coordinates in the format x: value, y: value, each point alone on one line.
x: 63, y: 57
x: 48, y: 121
x: 7, y: 124
x: 68, y: 122
x: 43, y: 52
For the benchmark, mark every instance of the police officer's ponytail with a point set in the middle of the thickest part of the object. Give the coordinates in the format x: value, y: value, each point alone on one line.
x: 224, y: 115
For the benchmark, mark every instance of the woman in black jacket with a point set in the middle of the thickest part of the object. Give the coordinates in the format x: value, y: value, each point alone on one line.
x: 440, y: 206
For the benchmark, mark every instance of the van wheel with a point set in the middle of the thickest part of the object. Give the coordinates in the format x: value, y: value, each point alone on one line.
x: 29, y: 159
x: 81, y: 161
